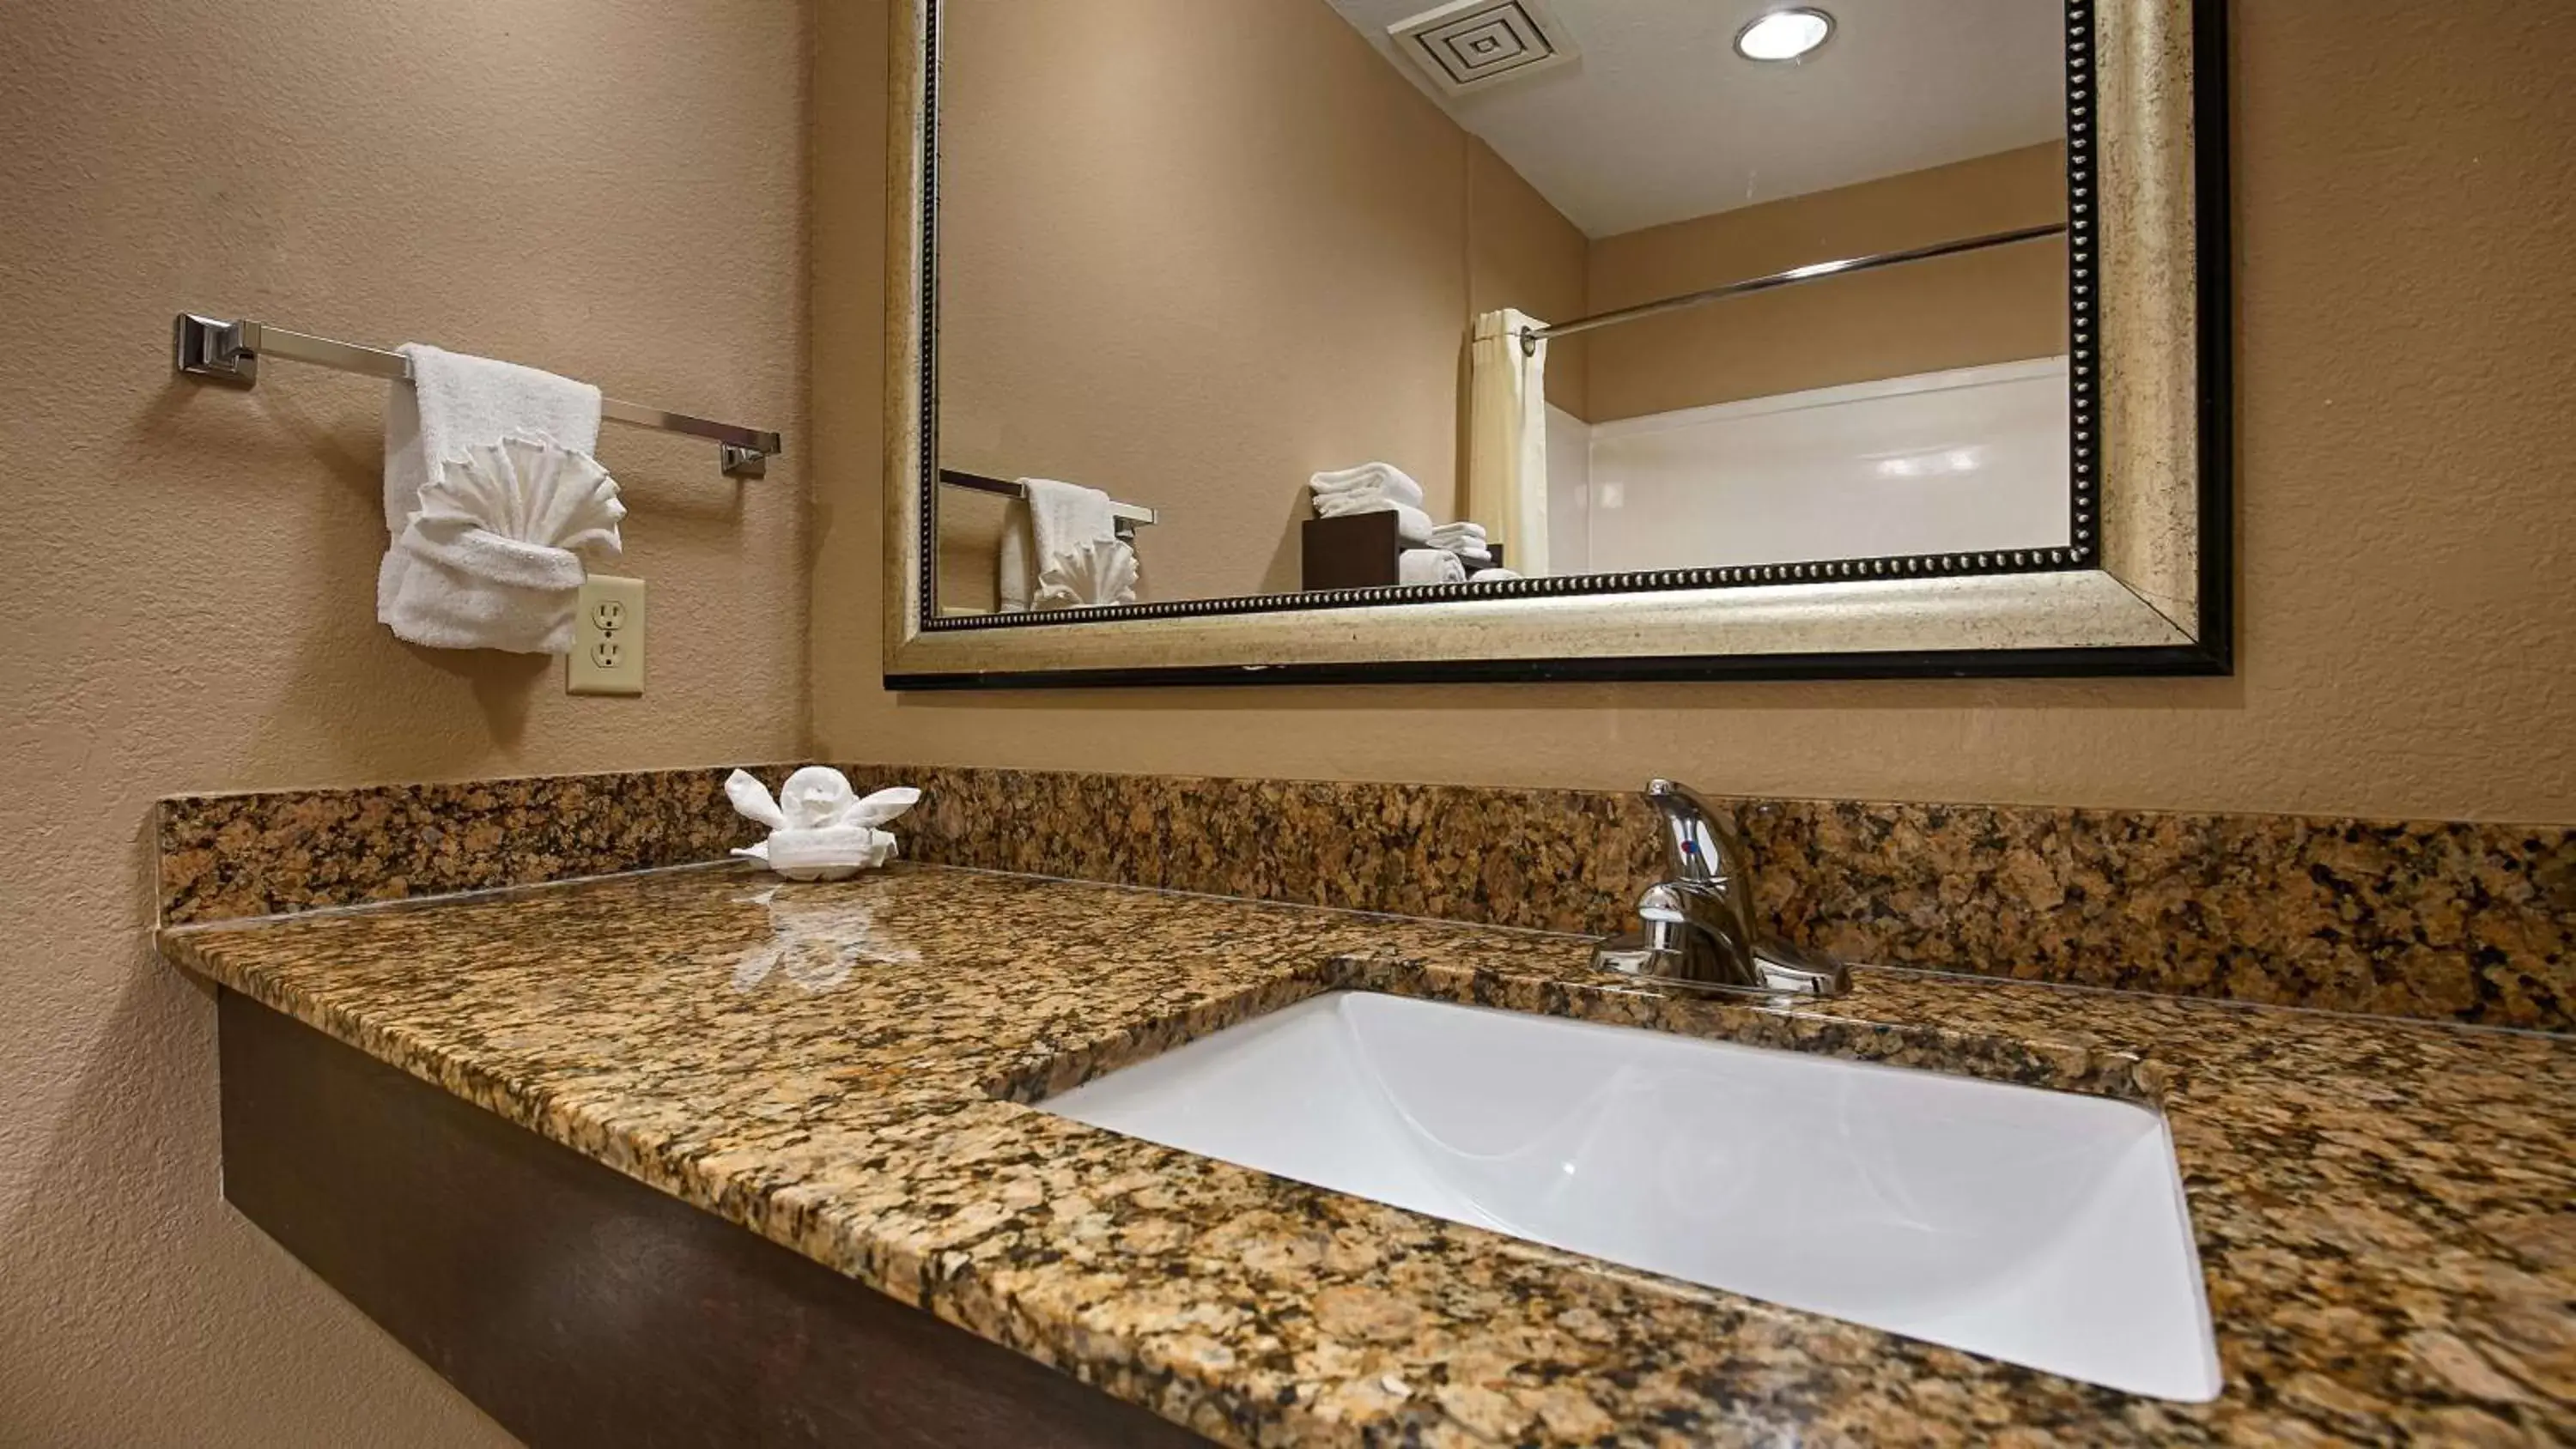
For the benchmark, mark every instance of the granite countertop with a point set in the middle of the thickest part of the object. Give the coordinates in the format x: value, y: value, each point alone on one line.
x: 2386, y: 1211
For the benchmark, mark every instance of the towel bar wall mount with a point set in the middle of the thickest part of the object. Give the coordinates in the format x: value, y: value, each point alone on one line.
x: 228, y: 352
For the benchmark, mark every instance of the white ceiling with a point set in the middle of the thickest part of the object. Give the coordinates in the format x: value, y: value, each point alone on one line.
x: 1660, y: 120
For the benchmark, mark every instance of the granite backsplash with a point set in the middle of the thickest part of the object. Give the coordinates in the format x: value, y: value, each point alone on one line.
x: 2455, y: 921
x: 222, y: 857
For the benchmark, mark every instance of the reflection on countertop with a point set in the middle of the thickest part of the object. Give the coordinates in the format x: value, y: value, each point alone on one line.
x: 2381, y: 1207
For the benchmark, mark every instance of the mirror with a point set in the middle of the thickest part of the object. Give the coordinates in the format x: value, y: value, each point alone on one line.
x: 1376, y: 308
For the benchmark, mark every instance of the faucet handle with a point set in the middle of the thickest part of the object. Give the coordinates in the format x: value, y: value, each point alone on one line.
x: 1699, y: 930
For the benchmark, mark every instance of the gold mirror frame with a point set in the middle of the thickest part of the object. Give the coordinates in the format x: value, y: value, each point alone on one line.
x: 2150, y: 595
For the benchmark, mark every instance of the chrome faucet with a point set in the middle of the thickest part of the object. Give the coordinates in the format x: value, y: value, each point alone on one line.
x: 1698, y: 923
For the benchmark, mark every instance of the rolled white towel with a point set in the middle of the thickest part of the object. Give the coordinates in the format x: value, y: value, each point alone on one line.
x: 1381, y: 480
x: 1429, y: 566
x: 1412, y: 525
x: 1491, y: 576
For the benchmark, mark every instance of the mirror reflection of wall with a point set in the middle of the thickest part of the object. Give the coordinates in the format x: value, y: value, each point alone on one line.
x: 1239, y: 264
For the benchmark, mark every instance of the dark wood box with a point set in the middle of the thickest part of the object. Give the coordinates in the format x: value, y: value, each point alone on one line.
x: 1354, y: 551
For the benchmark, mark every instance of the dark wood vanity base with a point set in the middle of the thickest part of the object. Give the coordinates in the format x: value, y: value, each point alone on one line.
x: 577, y: 1306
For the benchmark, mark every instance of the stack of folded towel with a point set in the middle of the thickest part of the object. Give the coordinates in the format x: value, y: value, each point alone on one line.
x: 1374, y: 488
x: 1466, y: 540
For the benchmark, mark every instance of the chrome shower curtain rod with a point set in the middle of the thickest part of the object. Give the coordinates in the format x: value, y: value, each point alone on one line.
x: 1531, y: 337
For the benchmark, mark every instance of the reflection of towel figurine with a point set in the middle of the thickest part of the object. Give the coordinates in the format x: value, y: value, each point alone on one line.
x: 817, y: 941
x: 818, y: 827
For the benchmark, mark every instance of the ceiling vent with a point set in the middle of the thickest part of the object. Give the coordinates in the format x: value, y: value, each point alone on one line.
x: 1468, y: 46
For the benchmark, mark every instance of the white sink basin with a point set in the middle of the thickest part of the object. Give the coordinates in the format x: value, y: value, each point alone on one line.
x: 2042, y: 1228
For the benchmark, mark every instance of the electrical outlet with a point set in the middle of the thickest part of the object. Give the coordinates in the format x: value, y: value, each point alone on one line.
x: 607, y: 638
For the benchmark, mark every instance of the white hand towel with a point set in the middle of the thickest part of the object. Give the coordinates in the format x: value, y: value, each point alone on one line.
x: 454, y: 403
x: 1383, y: 480
x: 1412, y: 525
x: 1491, y: 576
x: 1067, y: 531
x: 1429, y: 566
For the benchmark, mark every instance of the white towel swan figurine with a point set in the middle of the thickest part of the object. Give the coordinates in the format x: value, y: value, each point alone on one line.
x: 819, y: 828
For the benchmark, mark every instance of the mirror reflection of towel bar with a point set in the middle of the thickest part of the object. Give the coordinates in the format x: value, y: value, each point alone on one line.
x: 1128, y: 516
x: 229, y: 352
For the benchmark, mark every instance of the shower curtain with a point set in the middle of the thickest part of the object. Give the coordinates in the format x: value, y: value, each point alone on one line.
x: 1507, y: 439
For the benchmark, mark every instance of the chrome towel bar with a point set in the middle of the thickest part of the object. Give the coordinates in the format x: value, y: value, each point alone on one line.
x: 229, y: 352
x: 1130, y: 516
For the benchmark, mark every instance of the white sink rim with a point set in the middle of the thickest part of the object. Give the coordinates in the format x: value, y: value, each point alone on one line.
x: 2108, y: 1290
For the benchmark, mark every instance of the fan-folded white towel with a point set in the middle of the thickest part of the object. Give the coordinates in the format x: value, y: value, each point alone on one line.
x: 1429, y: 566
x: 496, y: 556
x: 1382, y: 480
x: 1061, y: 550
x: 453, y: 591
x: 1412, y: 525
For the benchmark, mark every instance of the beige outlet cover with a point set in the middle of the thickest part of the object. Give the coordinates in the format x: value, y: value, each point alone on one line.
x: 607, y: 638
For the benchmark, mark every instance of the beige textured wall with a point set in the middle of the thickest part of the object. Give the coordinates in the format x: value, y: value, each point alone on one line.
x: 609, y: 188
x: 1990, y: 306
x: 1196, y: 271
x: 2401, y: 178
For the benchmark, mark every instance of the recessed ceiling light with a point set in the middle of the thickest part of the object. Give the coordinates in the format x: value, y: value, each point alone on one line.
x: 1784, y: 34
